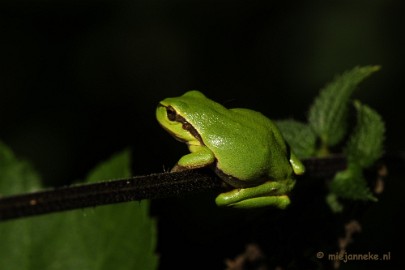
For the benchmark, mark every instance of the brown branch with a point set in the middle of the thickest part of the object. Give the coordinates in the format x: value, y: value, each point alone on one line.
x: 152, y: 186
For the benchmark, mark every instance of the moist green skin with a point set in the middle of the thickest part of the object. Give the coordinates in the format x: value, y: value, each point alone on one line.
x: 245, y: 148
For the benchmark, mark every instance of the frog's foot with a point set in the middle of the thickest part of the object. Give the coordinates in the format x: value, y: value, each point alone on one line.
x: 267, y: 194
x: 200, y: 157
x: 281, y: 202
x: 178, y: 168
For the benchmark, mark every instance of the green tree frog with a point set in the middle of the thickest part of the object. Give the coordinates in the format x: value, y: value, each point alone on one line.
x: 245, y: 149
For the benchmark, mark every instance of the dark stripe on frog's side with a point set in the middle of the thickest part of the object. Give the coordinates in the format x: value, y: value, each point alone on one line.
x: 186, y: 125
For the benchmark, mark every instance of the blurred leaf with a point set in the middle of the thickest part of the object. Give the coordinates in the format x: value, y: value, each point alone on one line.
x: 334, y: 203
x: 117, y: 167
x: 328, y: 113
x: 15, y: 242
x: 366, y: 144
x: 119, y: 236
x: 299, y: 136
x: 350, y: 184
x: 16, y: 176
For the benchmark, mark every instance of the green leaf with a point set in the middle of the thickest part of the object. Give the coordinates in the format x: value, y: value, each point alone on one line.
x: 350, y: 184
x: 117, y: 167
x: 333, y: 202
x: 299, y: 136
x: 328, y: 113
x: 16, y: 176
x: 121, y: 236
x: 365, y: 145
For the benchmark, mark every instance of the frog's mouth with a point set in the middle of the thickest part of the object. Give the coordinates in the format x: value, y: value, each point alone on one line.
x: 173, y: 134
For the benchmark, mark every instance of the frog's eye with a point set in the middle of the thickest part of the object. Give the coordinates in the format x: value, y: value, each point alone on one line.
x: 171, y: 113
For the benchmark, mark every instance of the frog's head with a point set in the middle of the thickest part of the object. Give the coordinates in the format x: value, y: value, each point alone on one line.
x: 178, y: 114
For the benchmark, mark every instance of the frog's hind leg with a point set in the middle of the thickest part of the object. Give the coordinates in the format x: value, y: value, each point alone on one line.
x: 270, y: 193
x: 280, y: 202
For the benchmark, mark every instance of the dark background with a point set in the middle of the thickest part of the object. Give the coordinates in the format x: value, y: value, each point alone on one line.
x: 80, y: 80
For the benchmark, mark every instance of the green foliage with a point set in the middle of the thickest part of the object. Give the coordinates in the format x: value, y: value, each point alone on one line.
x: 366, y: 144
x: 327, y: 124
x: 350, y: 184
x: 19, y: 174
x: 334, y: 203
x: 299, y: 136
x: 119, y: 236
x: 328, y: 114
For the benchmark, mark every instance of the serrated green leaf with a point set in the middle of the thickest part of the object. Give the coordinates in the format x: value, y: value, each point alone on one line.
x: 119, y: 236
x: 350, y: 184
x: 328, y: 113
x: 365, y: 146
x: 299, y: 136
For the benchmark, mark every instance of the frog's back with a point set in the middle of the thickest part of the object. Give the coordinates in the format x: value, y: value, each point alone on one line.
x: 246, y: 144
x: 251, y: 146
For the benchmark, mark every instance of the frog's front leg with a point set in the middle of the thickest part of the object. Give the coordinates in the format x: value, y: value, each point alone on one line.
x: 271, y: 193
x: 296, y: 164
x: 199, y: 157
